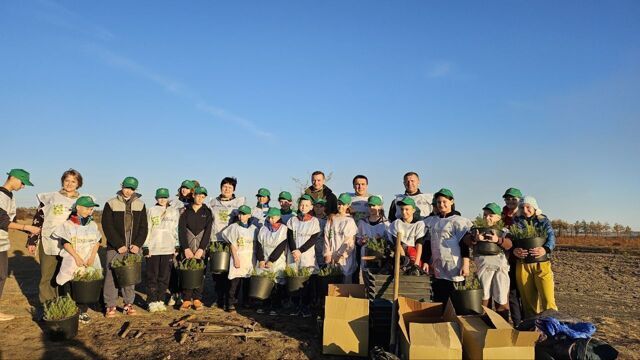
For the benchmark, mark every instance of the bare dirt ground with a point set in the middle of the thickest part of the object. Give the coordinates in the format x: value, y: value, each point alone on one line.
x: 596, y: 286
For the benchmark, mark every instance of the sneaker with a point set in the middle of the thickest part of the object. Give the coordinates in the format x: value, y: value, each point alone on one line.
x: 84, y: 318
x: 161, y: 306
x: 230, y: 308
x: 152, y: 307
x: 110, y: 312
x: 305, y: 312
x: 128, y: 309
x: 273, y: 313
x: 295, y: 312
x: 186, y: 305
x: 260, y: 311
x: 172, y: 301
x: 198, y: 305
x: 6, y: 317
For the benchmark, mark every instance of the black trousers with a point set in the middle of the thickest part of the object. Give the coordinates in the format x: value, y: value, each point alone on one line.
x: 221, y: 287
x: 441, y: 289
x: 158, y: 276
x: 515, y: 306
x: 238, y: 287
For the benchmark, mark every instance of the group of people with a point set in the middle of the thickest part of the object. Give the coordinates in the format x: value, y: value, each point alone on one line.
x: 316, y: 230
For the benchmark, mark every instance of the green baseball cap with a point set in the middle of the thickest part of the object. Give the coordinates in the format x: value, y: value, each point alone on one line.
x: 244, y: 209
x: 374, y: 200
x: 162, y: 193
x: 344, y: 198
x: 21, y: 175
x: 305, y: 197
x: 285, y: 195
x: 444, y: 192
x: 407, y: 201
x: 189, y: 184
x: 494, y: 208
x: 273, y: 212
x: 201, y: 190
x: 264, y: 192
x: 86, y: 201
x: 516, y: 193
x: 130, y: 182
x: 320, y: 201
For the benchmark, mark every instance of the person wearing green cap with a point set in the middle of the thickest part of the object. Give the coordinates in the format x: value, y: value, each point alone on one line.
x: 16, y: 181
x: 511, y: 198
x: 225, y: 212
x: 185, y: 194
x: 340, y: 239
x: 302, y: 237
x: 374, y: 226
x: 259, y: 212
x: 159, y: 248
x: 448, y: 258
x: 124, y: 222
x: 492, y: 268
x: 80, y: 239
x: 411, y: 233
x: 423, y: 207
x: 241, y: 236
x: 271, y: 255
x: 54, y: 209
x: 286, y: 202
x: 194, y: 233
x: 320, y: 212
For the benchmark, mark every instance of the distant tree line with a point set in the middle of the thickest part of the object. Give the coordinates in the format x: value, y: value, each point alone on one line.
x: 591, y: 228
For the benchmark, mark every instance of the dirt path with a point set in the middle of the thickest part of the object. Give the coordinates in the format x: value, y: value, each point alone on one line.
x: 591, y: 286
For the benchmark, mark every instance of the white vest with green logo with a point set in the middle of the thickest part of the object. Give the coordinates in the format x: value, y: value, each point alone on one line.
x: 7, y: 204
x: 56, y: 210
x: 223, y: 213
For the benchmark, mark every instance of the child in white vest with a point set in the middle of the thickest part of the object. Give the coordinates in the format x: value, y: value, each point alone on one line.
x: 259, y: 212
x: 412, y: 233
x: 340, y: 239
x: 374, y: 226
x: 271, y: 249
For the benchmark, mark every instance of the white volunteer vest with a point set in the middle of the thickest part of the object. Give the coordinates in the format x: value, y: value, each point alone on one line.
x: 302, y: 231
x: 162, y: 237
x: 410, y: 231
x: 380, y: 230
x: 269, y: 241
x: 446, y: 233
x: 423, y: 202
x: 83, y: 239
x: 339, y: 234
x: 56, y: 210
x: 7, y: 204
x: 243, y: 240
x: 223, y: 212
x: 360, y: 206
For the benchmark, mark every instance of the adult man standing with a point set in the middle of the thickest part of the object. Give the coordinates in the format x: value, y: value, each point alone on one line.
x: 360, y: 198
x: 318, y: 190
x: 423, y: 201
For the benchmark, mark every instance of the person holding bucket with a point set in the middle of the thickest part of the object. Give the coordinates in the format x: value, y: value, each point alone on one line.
x: 159, y: 248
x: 340, y: 239
x: 80, y: 239
x: 448, y: 255
x: 241, y: 236
x: 512, y: 198
x: 533, y: 269
x: 194, y: 232
x: 124, y: 222
x: 492, y: 267
x: 374, y: 226
x: 53, y: 210
x: 271, y: 255
x: 302, y: 236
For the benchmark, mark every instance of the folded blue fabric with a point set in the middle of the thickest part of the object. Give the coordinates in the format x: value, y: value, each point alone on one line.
x: 552, y: 327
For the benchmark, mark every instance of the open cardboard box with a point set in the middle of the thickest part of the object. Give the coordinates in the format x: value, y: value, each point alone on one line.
x: 428, y: 330
x: 489, y: 336
x: 346, y: 321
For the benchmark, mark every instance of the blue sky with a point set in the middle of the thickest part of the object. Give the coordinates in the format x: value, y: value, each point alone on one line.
x: 476, y: 97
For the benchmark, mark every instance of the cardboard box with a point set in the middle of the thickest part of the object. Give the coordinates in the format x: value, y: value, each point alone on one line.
x: 428, y: 330
x: 489, y: 336
x: 346, y: 321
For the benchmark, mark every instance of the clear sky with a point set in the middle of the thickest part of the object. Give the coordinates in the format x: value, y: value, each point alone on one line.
x: 474, y: 96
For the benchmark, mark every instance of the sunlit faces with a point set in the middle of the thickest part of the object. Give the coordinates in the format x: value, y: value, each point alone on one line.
x: 70, y: 184
x: 411, y: 184
x: 528, y: 210
x: 273, y: 219
x: 342, y: 208
x: 15, y: 183
x: 263, y: 199
x: 227, y: 191
x: 407, y: 212
x: 360, y: 186
x: 162, y: 201
x: 305, y: 206
x: 198, y: 199
x: 83, y: 211
x: 317, y: 181
x: 511, y: 202
x: 285, y: 205
x: 127, y: 192
x: 443, y: 204
x: 184, y: 192
x: 490, y: 217
x: 375, y: 210
x: 244, y: 218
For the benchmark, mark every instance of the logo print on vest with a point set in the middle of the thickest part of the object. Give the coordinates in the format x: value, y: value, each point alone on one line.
x: 58, y: 209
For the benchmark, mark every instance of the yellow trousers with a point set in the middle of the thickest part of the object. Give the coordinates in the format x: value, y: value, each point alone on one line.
x: 535, y: 283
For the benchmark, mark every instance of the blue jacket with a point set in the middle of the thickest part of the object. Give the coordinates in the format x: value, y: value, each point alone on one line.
x: 541, y: 222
